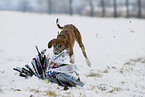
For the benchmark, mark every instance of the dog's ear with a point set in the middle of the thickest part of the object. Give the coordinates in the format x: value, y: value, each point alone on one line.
x: 50, y: 43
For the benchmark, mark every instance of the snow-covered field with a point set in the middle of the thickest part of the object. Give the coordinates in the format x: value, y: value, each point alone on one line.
x: 116, y: 49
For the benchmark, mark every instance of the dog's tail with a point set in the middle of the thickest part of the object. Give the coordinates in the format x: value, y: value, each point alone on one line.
x: 57, y: 22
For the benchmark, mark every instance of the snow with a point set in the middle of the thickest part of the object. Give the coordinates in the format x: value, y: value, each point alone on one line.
x: 115, y: 48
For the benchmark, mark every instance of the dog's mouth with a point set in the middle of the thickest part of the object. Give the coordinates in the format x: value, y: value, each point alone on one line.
x: 57, y: 52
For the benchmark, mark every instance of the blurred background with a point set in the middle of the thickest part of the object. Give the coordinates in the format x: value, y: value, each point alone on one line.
x: 93, y: 8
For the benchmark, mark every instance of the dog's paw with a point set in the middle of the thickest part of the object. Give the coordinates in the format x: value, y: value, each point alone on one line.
x: 72, y: 59
x: 88, y: 62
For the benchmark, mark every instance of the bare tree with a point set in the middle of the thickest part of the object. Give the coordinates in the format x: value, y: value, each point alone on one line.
x: 91, y: 8
x: 115, y: 8
x: 103, y: 8
x: 70, y: 7
x: 24, y: 5
x: 139, y: 9
x: 127, y: 8
x: 49, y: 6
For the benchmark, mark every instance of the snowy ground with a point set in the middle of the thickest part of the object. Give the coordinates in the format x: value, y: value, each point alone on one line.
x: 116, y: 49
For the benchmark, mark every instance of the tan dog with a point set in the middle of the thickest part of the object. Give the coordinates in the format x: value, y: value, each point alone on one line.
x: 66, y: 40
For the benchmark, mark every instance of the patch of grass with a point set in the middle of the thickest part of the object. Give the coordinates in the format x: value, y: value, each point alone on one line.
x: 121, y: 71
x: 133, y: 61
x: 105, y: 71
x: 128, y: 66
x: 51, y: 93
x: 15, y: 89
x: 0, y: 90
x: 31, y: 96
x: 114, y: 90
x: 122, y: 82
x: 44, y: 93
x: 127, y: 63
x: 102, y: 87
x: 35, y: 90
x: 113, y: 67
x: 92, y: 74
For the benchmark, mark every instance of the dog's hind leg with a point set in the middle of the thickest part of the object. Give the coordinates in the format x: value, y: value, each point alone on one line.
x: 84, y: 53
x: 79, y: 40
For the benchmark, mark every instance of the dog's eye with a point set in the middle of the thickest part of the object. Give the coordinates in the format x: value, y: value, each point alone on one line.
x: 53, y: 45
x: 60, y: 45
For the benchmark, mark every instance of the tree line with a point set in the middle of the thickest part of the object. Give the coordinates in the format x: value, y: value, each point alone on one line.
x: 101, y: 8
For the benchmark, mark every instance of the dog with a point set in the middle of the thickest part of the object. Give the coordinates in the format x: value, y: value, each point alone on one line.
x: 66, y: 39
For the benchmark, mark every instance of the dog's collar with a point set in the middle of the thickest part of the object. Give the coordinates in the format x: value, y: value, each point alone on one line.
x: 62, y: 36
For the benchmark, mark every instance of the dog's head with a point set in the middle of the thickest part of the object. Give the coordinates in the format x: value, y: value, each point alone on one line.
x: 58, y: 45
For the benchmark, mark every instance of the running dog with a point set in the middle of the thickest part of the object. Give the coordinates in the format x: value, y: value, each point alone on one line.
x: 66, y: 39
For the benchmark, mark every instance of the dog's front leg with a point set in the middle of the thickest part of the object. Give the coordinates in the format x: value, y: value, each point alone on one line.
x: 71, y: 56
